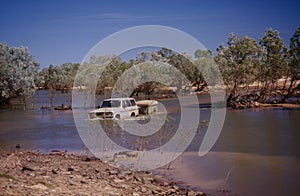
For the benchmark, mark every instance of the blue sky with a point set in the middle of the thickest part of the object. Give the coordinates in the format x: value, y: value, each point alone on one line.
x: 61, y: 31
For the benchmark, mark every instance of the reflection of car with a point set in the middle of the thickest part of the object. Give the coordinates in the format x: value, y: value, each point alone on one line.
x: 116, y: 108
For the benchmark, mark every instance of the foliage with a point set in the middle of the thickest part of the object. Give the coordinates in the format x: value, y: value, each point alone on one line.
x: 256, y: 71
x: 274, y: 66
x: 249, y: 69
x: 205, y: 63
x: 57, y: 78
x: 293, y: 73
x: 239, y: 63
x: 188, y: 68
x: 18, y: 72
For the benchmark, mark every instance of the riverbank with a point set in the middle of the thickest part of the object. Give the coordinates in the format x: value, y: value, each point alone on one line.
x: 245, y: 105
x: 32, y: 173
x: 280, y: 105
x: 205, y: 102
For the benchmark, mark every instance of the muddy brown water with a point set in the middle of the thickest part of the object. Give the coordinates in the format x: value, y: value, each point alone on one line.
x: 257, y: 153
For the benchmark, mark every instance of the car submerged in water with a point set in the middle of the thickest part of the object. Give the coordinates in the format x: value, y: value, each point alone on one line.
x: 116, y: 108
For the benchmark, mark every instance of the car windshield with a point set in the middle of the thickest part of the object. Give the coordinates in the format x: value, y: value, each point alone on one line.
x: 111, y: 104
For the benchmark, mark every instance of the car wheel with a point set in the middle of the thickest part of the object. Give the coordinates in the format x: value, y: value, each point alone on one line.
x: 118, y: 117
x: 132, y: 114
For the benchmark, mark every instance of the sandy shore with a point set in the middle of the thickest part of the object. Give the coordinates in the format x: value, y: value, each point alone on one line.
x: 59, y: 173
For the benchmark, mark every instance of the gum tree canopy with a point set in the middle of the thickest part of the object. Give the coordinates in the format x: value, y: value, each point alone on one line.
x: 18, y: 71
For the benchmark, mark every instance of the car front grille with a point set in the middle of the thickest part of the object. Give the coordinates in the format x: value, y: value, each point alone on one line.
x: 104, y: 115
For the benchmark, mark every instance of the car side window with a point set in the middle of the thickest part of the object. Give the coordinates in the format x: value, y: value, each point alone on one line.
x: 132, y: 102
x: 128, y: 104
x: 124, y: 105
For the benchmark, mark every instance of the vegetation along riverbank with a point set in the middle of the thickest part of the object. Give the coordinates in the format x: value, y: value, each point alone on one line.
x: 267, y: 71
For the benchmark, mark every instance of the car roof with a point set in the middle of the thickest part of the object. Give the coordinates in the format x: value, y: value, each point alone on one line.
x: 118, y: 99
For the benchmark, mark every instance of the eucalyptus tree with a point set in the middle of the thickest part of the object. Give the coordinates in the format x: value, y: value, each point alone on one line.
x: 143, y: 57
x: 5, y: 71
x: 66, y: 76
x: 293, y: 65
x: 205, y: 63
x: 184, y: 63
x: 112, y: 72
x: 159, y: 59
x: 51, y: 80
x: 238, y: 64
x: 18, y: 73
x: 104, y: 69
x: 192, y: 69
x: 274, y: 66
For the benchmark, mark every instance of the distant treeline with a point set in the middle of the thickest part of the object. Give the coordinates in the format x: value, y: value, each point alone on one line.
x: 253, y: 71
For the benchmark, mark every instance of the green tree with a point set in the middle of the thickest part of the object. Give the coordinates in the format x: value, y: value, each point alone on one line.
x: 205, y: 63
x: 293, y: 65
x: 112, y: 72
x: 18, y: 72
x: 5, y: 60
x: 184, y: 63
x: 58, y: 78
x: 275, y: 65
x: 238, y: 64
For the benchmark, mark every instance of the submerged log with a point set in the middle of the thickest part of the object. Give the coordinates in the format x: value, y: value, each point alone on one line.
x: 63, y: 107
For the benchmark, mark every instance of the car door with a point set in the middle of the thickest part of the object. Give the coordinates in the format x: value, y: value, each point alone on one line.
x: 124, y: 110
x: 134, y: 107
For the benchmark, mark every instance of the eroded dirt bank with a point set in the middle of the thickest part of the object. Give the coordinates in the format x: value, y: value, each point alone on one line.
x: 59, y: 173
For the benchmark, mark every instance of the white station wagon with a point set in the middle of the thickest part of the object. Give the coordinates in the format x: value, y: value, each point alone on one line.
x: 116, y: 108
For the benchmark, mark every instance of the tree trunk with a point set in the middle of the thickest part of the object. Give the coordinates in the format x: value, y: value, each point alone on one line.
x: 51, y: 96
x: 24, y: 102
x: 229, y: 99
x: 290, y: 90
x: 263, y: 92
